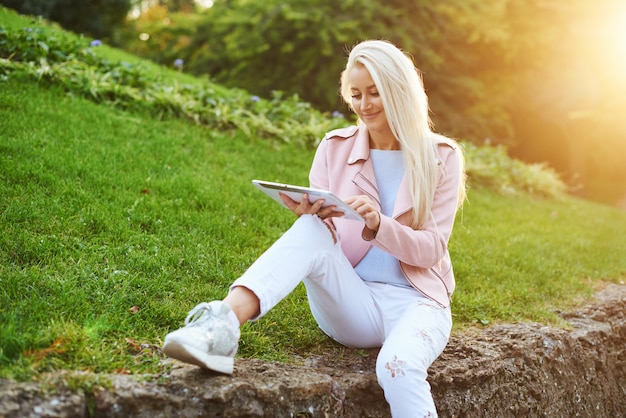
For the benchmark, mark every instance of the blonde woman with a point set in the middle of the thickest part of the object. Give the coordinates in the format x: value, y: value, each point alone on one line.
x: 382, y: 282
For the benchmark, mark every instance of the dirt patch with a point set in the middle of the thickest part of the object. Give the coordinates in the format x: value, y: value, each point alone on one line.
x: 527, y: 370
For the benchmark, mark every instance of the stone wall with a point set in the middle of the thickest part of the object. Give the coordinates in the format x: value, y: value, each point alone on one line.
x: 520, y: 370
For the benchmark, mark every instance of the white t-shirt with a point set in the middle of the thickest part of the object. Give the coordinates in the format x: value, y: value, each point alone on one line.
x: 378, y: 265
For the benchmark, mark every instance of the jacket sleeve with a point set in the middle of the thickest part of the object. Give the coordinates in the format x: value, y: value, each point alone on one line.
x: 427, y: 246
x: 318, y: 175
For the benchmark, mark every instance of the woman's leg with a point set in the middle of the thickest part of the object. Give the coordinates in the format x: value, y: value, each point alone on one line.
x: 244, y: 303
x: 340, y: 301
x: 417, y: 338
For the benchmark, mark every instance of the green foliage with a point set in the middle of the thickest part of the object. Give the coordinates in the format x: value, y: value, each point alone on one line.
x: 53, y: 57
x: 300, y: 46
x: 295, y: 46
x: 29, y: 7
x: 59, y: 58
x: 36, y: 45
x: 491, y: 167
x: 99, y: 19
x: 180, y: 5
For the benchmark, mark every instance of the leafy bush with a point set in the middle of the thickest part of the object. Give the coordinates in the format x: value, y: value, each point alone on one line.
x: 490, y: 166
x: 59, y: 58
x: 36, y: 44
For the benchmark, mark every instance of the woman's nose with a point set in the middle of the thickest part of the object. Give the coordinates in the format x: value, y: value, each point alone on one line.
x: 365, y: 103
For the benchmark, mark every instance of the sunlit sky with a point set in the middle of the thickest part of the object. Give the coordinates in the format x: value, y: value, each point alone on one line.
x: 205, y: 3
x: 612, y: 28
x: 618, y: 35
x: 603, y: 40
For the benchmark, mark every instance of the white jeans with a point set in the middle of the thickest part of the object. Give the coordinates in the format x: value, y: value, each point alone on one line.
x: 411, y: 330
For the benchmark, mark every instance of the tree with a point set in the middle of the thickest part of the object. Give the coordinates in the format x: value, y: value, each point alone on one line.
x: 297, y: 46
x: 97, y: 18
x: 186, y: 6
x: 300, y: 46
x: 29, y: 7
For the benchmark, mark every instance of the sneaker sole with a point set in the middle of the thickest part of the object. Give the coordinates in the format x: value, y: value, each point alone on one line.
x: 191, y: 355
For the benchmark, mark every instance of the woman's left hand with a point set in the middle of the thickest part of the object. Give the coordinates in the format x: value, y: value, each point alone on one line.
x: 365, y: 206
x: 305, y: 207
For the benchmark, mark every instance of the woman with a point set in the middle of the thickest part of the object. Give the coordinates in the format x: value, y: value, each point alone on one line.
x: 384, y: 282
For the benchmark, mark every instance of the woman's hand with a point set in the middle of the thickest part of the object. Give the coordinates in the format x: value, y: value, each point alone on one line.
x: 365, y: 206
x: 306, y: 207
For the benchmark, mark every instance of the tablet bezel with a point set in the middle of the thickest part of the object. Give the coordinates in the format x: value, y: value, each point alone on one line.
x: 273, y: 189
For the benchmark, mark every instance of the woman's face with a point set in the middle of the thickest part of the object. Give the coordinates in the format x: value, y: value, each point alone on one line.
x: 366, y: 101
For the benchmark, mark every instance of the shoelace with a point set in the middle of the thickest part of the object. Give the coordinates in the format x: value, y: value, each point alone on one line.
x: 197, y: 313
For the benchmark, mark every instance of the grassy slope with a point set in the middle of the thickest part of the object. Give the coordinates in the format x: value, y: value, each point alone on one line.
x: 519, y: 258
x: 102, y: 211
x: 113, y: 225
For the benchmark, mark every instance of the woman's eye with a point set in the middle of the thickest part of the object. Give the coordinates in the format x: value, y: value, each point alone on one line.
x: 356, y: 96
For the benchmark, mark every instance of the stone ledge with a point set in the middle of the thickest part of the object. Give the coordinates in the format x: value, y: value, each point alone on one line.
x: 502, y: 371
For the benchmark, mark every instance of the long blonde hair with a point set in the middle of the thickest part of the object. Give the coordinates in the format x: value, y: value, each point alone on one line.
x: 406, y: 106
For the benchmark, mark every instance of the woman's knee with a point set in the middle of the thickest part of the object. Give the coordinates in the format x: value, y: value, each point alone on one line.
x: 396, y: 364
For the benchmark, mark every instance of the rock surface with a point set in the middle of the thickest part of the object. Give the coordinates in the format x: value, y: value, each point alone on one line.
x: 520, y: 370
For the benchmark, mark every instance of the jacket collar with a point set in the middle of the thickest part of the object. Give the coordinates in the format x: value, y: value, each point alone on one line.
x: 361, y: 148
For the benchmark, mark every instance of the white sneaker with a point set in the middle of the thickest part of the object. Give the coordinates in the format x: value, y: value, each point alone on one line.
x: 209, y: 339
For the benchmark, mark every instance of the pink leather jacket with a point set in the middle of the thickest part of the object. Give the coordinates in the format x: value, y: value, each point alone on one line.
x: 342, y: 165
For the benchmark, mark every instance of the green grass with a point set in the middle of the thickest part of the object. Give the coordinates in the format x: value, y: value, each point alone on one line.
x: 114, y: 223
x: 102, y: 211
x: 522, y: 259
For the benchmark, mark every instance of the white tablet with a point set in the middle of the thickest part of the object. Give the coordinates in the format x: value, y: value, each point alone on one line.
x: 295, y: 192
